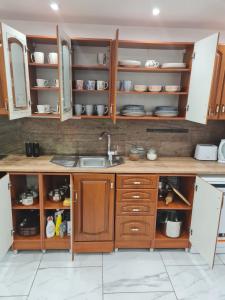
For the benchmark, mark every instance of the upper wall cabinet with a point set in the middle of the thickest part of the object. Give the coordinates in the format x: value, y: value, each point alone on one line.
x: 65, y: 76
x: 14, y: 73
x: 201, y: 79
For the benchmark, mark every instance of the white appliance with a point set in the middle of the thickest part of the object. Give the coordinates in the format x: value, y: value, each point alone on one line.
x: 219, y: 183
x: 206, y: 152
x: 221, y: 152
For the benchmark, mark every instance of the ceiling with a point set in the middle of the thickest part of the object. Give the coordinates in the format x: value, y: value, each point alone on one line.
x: 208, y: 14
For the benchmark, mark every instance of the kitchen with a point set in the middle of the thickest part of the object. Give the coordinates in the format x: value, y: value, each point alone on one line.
x: 110, y: 180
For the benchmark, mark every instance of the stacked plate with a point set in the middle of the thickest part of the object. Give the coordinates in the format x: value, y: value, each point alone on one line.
x: 173, y: 65
x: 166, y: 111
x: 133, y: 110
x: 129, y: 63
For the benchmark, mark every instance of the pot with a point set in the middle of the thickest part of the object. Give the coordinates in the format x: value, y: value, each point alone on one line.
x: 171, y: 226
x: 57, y: 195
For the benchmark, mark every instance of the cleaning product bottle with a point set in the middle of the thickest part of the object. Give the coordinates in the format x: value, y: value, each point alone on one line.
x: 58, y: 222
x: 50, y: 227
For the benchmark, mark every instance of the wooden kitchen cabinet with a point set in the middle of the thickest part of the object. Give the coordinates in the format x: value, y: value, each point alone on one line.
x: 217, y: 102
x: 93, y: 212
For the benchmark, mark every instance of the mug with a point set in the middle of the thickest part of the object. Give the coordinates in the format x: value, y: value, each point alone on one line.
x: 53, y: 82
x: 102, y: 109
x: 89, y: 108
x: 79, y: 84
x: 79, y: 109
x: 43, y: 108
x: 42, y: 82
x: 102, y: 85
x: 152, y: 63
x: 126, y: 85
x: 53, y: 58
x: 90, y: 85
x: 37, y: 57
x: 101, y: 58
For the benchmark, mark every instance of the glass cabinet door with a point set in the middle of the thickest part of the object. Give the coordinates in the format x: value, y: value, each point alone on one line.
x: 65, y: 78
x: 16, y: 72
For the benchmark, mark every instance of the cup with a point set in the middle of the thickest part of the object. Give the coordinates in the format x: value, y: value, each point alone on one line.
x: 79, y: 109
x: 79, y: 84
x: 55, y: 82
x: 89, y: 108
x: 53, y: 58
x: 90, y: 85
x: 41, y: 109
x: 102, y: 85
x: 102, y: 109
x: 47, y: 108
x: 101, y: 58
x: 126, y: 85
x: 38, y: 57
x: 152, y: 63
x: 42, y: 82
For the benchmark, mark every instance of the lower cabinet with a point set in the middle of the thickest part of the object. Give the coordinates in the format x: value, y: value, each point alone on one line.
x: 94, y: 212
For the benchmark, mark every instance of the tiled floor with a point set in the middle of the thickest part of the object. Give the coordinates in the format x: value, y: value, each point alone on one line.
x: 124, y: 275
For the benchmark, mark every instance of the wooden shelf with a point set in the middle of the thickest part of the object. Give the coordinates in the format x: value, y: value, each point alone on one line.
x: 44, y: 88
x: 176, y: 204
x: 90, y: 117
x: 53, y: 116
x: 25, y: 207
x: 162, y: 241
x: 48, y: 66
x: 91, y: 67
x: 26, y: 238
x: 154, y: 45
x: 93, y: 42
x: 90, y: 91
x: 153, y: 70
x: 57, y: 242
x: 153, y: 118
x: 54, y: 205
x: 152, y: 93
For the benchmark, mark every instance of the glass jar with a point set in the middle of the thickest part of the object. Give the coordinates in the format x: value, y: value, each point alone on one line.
x: 134, y: 154
x: 152, y: 154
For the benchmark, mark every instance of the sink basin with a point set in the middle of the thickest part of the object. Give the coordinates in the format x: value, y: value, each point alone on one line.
x: 86, y: 161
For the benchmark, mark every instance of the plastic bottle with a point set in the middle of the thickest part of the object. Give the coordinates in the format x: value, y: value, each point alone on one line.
x: 58, y: 222
x: 50, y: 227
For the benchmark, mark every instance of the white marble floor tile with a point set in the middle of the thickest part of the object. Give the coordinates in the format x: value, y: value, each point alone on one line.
x: 181, y: 258
x: 221, y: 257
x: 141, y: 296
x: 67, y: 283
x: 59, y: 259
x: 198, y: 282
x: 14, y: 298
x: 134, y: 272
x: 17, y: 273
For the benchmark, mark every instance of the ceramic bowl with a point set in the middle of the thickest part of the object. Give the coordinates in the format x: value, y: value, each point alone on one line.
x: 172, y: 88
x: 154, y: 88
x: 140, y: 87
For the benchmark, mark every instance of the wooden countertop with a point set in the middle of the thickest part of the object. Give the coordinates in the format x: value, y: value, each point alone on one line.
x: 179, y: 165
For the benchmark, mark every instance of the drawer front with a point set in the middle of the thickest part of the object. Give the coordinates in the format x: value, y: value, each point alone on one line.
x: 137, y: 181
x: 134, y: 228
x: 135, y: 209
x: 137, y: 195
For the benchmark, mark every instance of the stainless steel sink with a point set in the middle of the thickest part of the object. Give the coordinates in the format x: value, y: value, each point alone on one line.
x: 86, y: 161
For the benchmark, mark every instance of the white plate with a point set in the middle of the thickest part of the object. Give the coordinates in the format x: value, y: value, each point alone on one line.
x: 49, y: 112
x: 130, y: 63
x: 172, y: 114
x: 132, y: 114
x: 173, y: 65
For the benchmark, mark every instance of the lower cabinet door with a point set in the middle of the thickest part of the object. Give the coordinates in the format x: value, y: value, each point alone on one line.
x: 6, y: 227
x: 135, y: 228
x: 94, y: 207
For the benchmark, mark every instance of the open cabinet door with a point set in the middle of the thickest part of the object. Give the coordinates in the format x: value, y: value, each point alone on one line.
x: 206, y: 212
x: 203, y: 62
x: 15, y: 65
x: 65, y: 78
x: 6, y: 227
x: 114, y: 75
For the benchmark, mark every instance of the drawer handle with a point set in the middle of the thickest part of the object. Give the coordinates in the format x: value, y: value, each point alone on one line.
x: 137, y: 182
x: 136, y: 197
x: 136, y: 209
x: 135, y: 229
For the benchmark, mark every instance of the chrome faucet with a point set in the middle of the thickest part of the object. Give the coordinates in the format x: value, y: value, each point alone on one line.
x: 110, y: 153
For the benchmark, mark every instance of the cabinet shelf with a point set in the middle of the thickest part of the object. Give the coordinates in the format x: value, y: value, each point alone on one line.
x: 57, y: 242
x: 91, y: 67
x: 153, y: 70
x: 52, y: 116
x: 44, y: 88
x: 153, y: 118
x: 152, y: 93
x: 24, y: 207
x: 90, y: 91
x: 21, y: 238
x: 162, y: 241
x: 47, y: 66
x: 54, y: 205
x: 90, y: 117
x: 176, y: 204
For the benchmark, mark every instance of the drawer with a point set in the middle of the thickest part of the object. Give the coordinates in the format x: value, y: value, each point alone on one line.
x: 137, y: 195
x: 134, y: 228
x: 139, y: 208
x: 137, y: 181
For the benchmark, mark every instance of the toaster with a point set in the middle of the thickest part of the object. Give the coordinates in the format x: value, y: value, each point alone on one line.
x: 206, y: 152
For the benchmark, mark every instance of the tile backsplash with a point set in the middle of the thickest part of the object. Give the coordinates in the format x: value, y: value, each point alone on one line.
x: 81, y: 136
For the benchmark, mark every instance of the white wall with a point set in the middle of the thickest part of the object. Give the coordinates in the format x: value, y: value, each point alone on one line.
x: 108, y: 31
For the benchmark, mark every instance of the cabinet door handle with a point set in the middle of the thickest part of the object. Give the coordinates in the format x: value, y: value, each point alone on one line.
x: 136, y: 197
x: 223, y: 109
x: 112, y: 185
x: 135, y: 229
x: 217, y: 109
x: 136, y: 209
x: 75, y: 197
x: 137, y: 182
